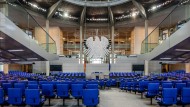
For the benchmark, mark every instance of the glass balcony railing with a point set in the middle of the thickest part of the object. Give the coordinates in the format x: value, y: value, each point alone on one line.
x: 173, y: 22
x: 25, y: 21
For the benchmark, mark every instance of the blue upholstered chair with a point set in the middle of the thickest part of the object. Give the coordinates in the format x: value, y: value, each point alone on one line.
x: 143, y: 85
x: 48, y: 91
x: 77, y: 91
x: 92, y: 86
x: 153, y: 90
x: 33, y: 86
x: 185, y: 96
x: 32, y: 97
x: 21, y: 86
x: 169, y: 97
x: 15, y: 96
x: 63, y: 91
x: 6, y: 86
x: 90, y: 97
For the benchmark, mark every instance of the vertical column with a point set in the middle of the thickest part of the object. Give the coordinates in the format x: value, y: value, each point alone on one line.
x: 47, y: 35
x: 112, y: 44
x: 187, y: 67
x: 146, y: 64
x: 146, y: 35
x: 47, y: 68
x: 6, y: 68
x: 81, y: 32
x: 4, y: 9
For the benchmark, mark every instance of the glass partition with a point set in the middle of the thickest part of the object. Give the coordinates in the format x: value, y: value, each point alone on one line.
x: 25, y: 21
x: 173, y: 22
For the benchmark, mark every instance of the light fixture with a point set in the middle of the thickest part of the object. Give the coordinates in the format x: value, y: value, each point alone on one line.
x: 166, y: 58
x: 32, y: 58
x: 15, y: 59
x: 66, y: 14
x: 16, y: 50
x: 182, y: 50
x: 1, y: 38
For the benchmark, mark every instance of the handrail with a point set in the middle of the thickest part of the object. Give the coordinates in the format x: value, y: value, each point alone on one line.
x: 163, y: 20
x: 151, y: 34
x: 34, y: 19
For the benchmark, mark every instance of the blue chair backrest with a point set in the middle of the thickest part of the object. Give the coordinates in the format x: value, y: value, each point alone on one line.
x: 143, y: 85
x: 92, y: 86
x: 32, y: 96
x: 32, y: 82
x: 33, y: 86
x: 180, y: 86
x: 21, y: 86
x: 90, y: 97
x: 1, y: 96
x: 76, y: 90
x: 169, y: 96
x: 153, y: 88
x: 47, y: 90
x: 167, y: 85
x: 185, y: 95
x: 15, y: 96
x: 62, y: 90
x: 6, y: 86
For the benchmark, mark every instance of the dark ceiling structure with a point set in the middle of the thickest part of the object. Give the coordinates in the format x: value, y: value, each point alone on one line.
x: 96, y: 10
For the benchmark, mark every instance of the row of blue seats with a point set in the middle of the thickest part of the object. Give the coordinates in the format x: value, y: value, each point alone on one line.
x: 19, y: 95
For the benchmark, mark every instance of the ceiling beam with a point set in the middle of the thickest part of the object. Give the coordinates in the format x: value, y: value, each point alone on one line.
x: 140, y: 8
x: 111, y: 16
x: 53, y: 9
x: 82, y: 17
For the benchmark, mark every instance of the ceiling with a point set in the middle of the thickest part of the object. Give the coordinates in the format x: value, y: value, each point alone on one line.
x: 95, y: 14
x: 12, y: 51
x: 183, y: 56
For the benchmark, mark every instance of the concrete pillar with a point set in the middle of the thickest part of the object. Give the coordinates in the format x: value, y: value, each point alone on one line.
x: 6, y: 68
x: 47, y: 68
x: 146, y: 35
x: 81, y: 41
x: 112, y: 40
x: 146, y: 67
x: 47, y: 35
x: 4, y: 9
x: 187, y: 67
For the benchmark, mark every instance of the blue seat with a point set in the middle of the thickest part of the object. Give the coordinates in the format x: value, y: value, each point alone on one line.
x: 122, y: 85
x: 108, y: 83
x: 179, y: 87
x: 153, y: 90
x: 21, y: 86
x: 77, y: 91
x: 63, y: 91
x: 2, y: 99
x: 15, y: 96
x: 32, y: 97
x: 32, y: 82
x: 143, y: 85
x: 102, y: 83
x: 92, y: 86
x: 33, y: 86
x: 6, y: 86
x: 169, y: 97
x: 129, y: 86
x: 167, y: 85
x: 90, y: 97
x: 185, y: 96
x: 134, y: 86
x: 48, y: 91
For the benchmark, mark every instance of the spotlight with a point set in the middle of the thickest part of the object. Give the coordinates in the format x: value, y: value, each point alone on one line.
x: 66, y: 14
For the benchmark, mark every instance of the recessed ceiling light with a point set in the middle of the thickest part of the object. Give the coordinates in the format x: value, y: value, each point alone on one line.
x: 166, y: 58
x: 15, y: 59
x: 183, y: 50
x: 66, y: 14
x: 15, y: 50
x: 1, y: 38
x: 32, y: 58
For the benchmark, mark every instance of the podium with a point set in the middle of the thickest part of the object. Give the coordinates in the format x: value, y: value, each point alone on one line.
x: 97, y: 75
